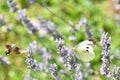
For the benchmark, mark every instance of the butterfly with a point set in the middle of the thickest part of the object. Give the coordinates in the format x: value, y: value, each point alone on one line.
x: 12, y: 48
x: 85, y: 50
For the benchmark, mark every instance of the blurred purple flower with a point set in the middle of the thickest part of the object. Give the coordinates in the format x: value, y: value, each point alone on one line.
x: 32, y: 1
x: 106, y: 52
x: 12, y: 5
x: 43, y: 66
x: 1, y: 16
x: 72, y: 38
x: 50, y: 28
x: 116, y: 73
x: 4, y: 60
x: 66, y: 55
x: 53, y: 71
x: 78, y: 74
x: 82, y: 22
x: 21, y: 14
x: 26, y: 21
x: 2, y: 20
x: 46, y: 55
x: 35, y: 48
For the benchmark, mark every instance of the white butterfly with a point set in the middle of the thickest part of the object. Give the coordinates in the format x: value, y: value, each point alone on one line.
x: 85, y: 51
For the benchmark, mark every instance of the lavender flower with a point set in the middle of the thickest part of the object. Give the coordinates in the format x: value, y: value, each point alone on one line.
x: 21, y: 14
x: 35, y: 48
x: 46, y: 55
x: 83, y: 71
x: 12, y: 5
x: 43, y: 66
x: 32, y: 1
x: 71, y: 63
x: 4, y: 60
x: 116, y: 73
x: 72, y: 38
x: 31, y: 62
x: 82, y: 22
x: 88, y: 33
x: 2, y: 20
x: 50, y: 28
x: 66, y: 55
x: 105, y: 42
x: 26, y: 21
x: 78, y: 74
x: 53, y: 71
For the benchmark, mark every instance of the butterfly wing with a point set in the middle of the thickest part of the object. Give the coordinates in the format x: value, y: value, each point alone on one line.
x: 84, y: 52
x: 16, y: 50
x: 8, y: 49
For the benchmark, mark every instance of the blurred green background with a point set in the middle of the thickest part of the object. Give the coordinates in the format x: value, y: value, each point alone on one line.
x: 100, y: 15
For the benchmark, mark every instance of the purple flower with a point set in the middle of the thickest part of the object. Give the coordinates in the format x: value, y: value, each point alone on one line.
x: 50, y: 28
x: 32, y: 1
x: 26, y: 21
x: 53, y: 71
x: 78, y: 75
x: 12, y: 5
x: 4, y: 60
x: 116, y: 72
x: 21, y: 14
x: 2, y: 20
x: 31, y: 62
x: 66, y: 54
x: 72, y: 38
x: 105, y: 43
x: 1, y: 16
x: 35, y: 48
